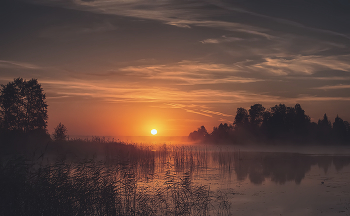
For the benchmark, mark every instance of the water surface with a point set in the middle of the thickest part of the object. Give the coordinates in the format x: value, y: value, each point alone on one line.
x: 258, y: 183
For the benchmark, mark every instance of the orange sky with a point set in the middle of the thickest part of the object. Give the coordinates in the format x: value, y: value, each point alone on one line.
x: 122, y: 68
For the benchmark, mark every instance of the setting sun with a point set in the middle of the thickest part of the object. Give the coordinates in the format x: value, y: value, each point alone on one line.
x: 153, y: 131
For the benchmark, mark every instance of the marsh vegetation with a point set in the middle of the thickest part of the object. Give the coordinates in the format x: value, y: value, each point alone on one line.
x: 97, y: 177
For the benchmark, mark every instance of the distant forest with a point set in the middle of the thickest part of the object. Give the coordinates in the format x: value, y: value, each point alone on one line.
x: 277, y: 125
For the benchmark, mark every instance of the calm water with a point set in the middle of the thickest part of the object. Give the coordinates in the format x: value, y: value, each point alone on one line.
x: 177, y: 180
x: 256, y: 183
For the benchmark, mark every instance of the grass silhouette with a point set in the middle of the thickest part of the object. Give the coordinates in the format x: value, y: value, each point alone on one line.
x: 66, y: 185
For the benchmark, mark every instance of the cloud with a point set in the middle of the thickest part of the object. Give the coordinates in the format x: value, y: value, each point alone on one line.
x: 195, y: 73
x: 170, y: 12
x: 210, y: 41
x: 18, y: 65
x: 190, y: 73
x: 197, y: 110
x: 127, y: 92
x: 223, y: 39
x: 331, y: 78
x: 324, y: 99
x: 216, y: 113
x: 302, y: 64
x: 199, y: 113
x: 274, y: 19
x: 340, y: 86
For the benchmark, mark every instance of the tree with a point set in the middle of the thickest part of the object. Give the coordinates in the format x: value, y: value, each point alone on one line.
x: 60, y: 132
x: 325, y: 123
x: 324, y: 129
x: 301, y: 121
x: 223, y: 132
x: 23, y: 106
x: 256, y: 114
x: 241, y: 117
x: 200, y: 134
x: 276, y: 126
x: 339, y: 130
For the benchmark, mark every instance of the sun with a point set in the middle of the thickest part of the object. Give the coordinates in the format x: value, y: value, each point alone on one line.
x: 153, y: 131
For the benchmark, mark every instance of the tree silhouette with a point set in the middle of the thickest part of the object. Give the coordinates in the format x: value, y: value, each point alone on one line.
x: 256, y: 114
x: 275, y: 124
x: 279, y: 123
x: 325, y: 122
x: 223, y: 132
x: 339, y: 130
x: 301, y: 124
x: 200, y: 134
x: 23, y: 106
x: 60, y: 132
x: 324, y: 129
x: 241, y: 118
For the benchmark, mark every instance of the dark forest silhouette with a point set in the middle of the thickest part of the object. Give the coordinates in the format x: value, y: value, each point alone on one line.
x: 278, y: 124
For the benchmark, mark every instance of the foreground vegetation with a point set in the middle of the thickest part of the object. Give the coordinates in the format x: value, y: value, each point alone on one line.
x: 96, y: 177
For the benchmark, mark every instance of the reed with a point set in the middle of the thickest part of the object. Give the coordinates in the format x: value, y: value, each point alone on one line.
x: 120, y: 184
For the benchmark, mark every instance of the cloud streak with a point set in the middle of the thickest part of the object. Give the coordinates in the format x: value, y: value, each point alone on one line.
x: 18, y: 65
x: 333, y: 87
x: 303, y: 64
x: 190, y: 73
x: 169, y: 12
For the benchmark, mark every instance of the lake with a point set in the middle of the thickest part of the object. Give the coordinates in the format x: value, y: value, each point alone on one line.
x: 244, y: 182
x: 109, y: 178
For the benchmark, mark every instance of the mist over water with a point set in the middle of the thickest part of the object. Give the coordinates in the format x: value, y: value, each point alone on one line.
x: 152, y: 139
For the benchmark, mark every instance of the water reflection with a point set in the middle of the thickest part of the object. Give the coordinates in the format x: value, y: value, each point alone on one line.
x: 172, y: 180
x: 278, y: 167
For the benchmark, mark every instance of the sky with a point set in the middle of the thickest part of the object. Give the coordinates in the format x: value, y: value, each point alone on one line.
x: 124, y: 67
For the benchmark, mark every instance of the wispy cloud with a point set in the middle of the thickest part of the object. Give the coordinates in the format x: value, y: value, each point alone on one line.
x: 216, y: 113
x: 19, y: 65
x: 325, y: 78
x: 303, y: 64
x: 324, y: 99
x: 340, y: 86
x: 191, y: 73
x: 135, y: 93
x: 227, y: 6
x: 198, y: 110
x: 169, y: 12
x: 222, y: 39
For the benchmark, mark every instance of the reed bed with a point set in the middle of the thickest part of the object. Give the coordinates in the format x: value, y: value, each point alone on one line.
x: 120, y: 184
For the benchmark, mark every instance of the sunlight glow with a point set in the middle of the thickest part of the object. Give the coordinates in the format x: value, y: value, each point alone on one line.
x: 153, y: 131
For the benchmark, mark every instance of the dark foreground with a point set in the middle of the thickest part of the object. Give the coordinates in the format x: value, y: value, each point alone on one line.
x: 108, y: 178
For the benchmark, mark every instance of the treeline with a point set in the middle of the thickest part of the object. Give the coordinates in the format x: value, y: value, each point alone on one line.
x: 278, y: 124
